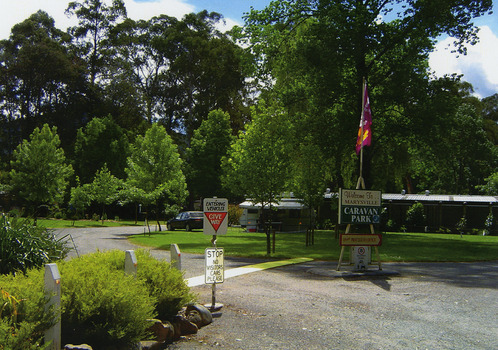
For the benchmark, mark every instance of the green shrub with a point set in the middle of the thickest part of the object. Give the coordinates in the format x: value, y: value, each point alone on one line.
x: 234, y: 214
x: 391, y: 225
x: 24, y: 246
x: 23, y: 316
x: 101, y: 305
x: 415, y: 216
x: 20, y: 336
x: 164, y: 283
x: 461, y: 225
x: 488, y: 224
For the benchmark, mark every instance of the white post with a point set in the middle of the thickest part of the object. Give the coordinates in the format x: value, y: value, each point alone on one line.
x: 53, y: 288
x: 176, y: 257
x: 131, y: 263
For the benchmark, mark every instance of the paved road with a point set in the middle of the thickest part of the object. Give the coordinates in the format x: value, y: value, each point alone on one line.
x: 311, y: 306
x: 88, y: 240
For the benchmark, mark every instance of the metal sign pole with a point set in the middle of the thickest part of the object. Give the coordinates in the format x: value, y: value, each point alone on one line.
x: 215, y: 223
x: 213, y: 288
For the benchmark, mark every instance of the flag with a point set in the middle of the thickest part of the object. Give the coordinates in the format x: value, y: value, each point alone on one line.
x: 365, y: 131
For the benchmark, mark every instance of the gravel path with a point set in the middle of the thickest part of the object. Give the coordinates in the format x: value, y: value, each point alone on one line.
x: 311, y: 306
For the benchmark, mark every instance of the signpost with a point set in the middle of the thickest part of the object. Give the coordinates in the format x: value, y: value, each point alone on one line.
x: 215, y: 223
x: 360, y: 207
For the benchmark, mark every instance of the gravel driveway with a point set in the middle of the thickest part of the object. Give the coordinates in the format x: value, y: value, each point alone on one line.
x: 311, y: 306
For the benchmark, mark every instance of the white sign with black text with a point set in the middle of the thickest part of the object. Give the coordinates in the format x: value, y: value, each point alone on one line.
x: 215, y: 269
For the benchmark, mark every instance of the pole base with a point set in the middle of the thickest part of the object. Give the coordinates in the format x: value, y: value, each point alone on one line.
x: 215, y: 307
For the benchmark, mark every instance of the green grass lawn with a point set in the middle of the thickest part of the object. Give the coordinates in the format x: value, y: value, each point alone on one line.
x: 54, y: 223
x: 395, y: 246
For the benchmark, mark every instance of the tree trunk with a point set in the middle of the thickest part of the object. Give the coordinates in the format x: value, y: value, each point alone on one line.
x: 157, y: 217
x: 103, y: 212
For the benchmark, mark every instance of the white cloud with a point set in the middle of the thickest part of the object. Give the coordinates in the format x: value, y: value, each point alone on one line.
x: 146, y: 10
x: 479, y: 67
x: 16, y: 11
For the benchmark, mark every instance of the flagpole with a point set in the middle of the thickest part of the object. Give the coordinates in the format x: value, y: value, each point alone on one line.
x: 360, y: 179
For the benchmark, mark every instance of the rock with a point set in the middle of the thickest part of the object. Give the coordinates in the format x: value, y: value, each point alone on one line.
x: 164, y: 332
x: 198, y: 314
x: 182, y: 326
x: 77, y: 347
x: 153, y: 345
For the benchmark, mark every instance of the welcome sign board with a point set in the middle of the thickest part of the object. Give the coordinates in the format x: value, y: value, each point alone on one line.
x: 359, y: 206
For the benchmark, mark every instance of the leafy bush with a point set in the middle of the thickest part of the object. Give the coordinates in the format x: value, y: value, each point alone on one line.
x: 164, y: 283
x: 461, y: 225
x: 234, y: 214
x: 101, y: 305
x: 415, y: 216
x: 24, y: 246
x: 488, y: 224
x: 23, y: 317
x: 19, y: 336
x: 391, y: 225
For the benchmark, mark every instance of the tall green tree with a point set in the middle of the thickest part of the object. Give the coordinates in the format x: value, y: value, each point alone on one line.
x: 155, y: 169
x: 313, y: 56
x: 81, y: 198
x: 490, y: 114
x: 145, y: 50
x: 95, y: 21
x: 491, y: 185
x: 100, y: 142
x: 105, y: 188
x: 176, y: 71
x: 41, y: 79
x: 40, y: 174
x: 461, y: 157
x: 308, y: 180
x: 258, y: 164
x: 210, y: 143
x: 207, y: 70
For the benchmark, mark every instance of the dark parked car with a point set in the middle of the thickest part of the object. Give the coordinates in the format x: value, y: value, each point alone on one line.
x: 187, y: 220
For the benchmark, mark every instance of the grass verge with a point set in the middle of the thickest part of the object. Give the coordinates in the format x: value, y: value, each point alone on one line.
x: 55, y: 223
x: 424, y: 247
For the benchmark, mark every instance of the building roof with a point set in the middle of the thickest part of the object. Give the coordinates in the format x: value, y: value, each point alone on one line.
x: 294, y: 203
x: 443, y: 198
x: 284, y: 203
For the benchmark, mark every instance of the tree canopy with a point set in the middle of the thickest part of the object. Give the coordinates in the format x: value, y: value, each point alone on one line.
x: 100, y: 142
x: 288, y: 84
x: 210, y: 143
x: 313, y: 55
x: 39, y: 172
x: 155, y: 170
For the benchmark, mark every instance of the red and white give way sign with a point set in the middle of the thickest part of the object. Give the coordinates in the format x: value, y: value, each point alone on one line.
x: 215, y: 216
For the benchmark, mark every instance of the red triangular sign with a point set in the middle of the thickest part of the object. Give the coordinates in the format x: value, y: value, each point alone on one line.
x: 215, y: 219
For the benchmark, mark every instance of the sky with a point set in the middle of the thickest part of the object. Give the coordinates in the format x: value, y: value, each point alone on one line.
x: 479, y: 66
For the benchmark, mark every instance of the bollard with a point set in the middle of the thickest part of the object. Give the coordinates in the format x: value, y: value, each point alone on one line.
x: 131, y: 263
x: 53, y: 288
x: 176, y: 257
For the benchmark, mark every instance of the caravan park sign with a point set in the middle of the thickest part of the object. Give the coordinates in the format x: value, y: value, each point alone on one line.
x: 359, y: 206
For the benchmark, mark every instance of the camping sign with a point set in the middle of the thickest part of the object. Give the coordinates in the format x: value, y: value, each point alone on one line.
x: 359, y: 206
